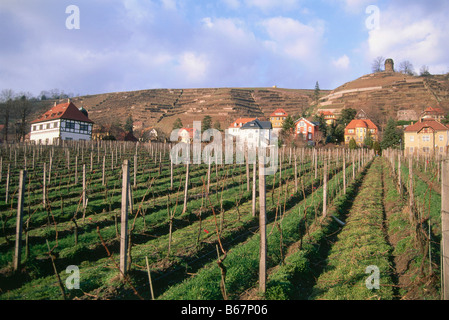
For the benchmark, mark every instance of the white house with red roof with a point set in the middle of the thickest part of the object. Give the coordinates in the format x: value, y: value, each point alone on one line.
x: 234, y: 128
x: 62, y: 122
x: 188, y: 134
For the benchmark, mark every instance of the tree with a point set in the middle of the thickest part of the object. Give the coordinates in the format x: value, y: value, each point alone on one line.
x: 316, y: 93
x: 6, y: 97
x: 322, y: 125
x: 217, y: 125
x: 368, y: 141
x: 288, y: 125
x: 129, y: 124
x: 177, y: 124
x: 352, y: 144
x: 392, y: 135
x: 406, y: 67
x: 23, y: 109
x: 424, y: 71
x: 206, y: 123
x: 346, y: 116
x: 377, y: 64
x: 376, y: 147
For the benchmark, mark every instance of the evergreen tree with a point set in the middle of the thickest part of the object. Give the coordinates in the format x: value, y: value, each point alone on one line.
x: 352, y: 144
x: 316, y: 93
x: 392, y: 136
x: 206, y: 123
x: 129, y: 124
x: 177, y: 124
x: 288, y: 125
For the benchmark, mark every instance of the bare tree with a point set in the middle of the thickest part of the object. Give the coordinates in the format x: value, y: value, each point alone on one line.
x: 22, y: 109
x: 6, y: 102
x: 377, y: 64
x: 424, y: 71
x: 406, y: 67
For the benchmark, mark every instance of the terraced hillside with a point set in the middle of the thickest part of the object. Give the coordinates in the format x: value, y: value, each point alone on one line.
x: 383, y: 94
x: 161, y: 107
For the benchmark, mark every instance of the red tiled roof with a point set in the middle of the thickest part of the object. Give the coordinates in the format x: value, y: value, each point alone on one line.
x: 240, y: 122
x: 279, y: 113
x: 433, y: 124
x: 361, y: 123
x: 434, y: 110
x: 63, y: 111
x: 327, y: 113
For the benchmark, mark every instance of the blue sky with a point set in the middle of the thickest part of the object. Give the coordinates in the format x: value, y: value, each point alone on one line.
x: 126, y: 45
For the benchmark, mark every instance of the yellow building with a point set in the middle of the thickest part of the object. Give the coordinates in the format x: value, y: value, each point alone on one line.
x: 277, y: 118
x: 329, y: 117
x: 426, y: 137
x: 358, y: 129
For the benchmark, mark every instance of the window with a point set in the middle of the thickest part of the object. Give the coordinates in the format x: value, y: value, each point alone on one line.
x: 426, y: 149
x: 68, y: 138
x: 412, y: 138
x: 310, y: 136
x: 48, y: 126
x: 41, y: 127
x: 70, y: 125
x: 55, y: 125
x: 351, y: 131
x: 34, y: 128
x: 310, y: 129
x: 425, y: 138
x: 84, y: 127
x: 441, y: 149
x: 441, y: 138
x: 411, y: 149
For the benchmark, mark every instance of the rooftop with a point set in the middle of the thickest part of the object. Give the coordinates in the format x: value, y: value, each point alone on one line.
x: 433, y: 124
x: 63, y: 111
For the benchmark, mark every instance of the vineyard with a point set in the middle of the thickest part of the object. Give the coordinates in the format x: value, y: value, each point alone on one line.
x: 332, y: 217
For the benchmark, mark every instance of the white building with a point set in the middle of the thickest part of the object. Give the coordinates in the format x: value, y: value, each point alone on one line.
x: 256, y: 133
x: 62, y: 122
x: 234, y: 128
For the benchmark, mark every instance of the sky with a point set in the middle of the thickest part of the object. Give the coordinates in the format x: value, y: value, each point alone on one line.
x: 123, y: 45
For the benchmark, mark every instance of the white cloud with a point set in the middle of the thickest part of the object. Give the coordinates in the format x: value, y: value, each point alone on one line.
x: 294, y: 39
x: 267, y: 5
x: 193, y: 66
x: 342, y: 62
x: 417, y: 35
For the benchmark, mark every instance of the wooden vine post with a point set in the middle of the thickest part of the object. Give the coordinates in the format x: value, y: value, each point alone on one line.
x: 325, y: 189
x: 262, y: 227
x: 124, y: 220
x: 18, y: 248
x: 445, y: 227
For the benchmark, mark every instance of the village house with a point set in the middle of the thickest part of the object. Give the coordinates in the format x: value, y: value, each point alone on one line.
x: 234, y: 128
x: 329, y: 117
x: 358, y: 129
x: 188, y: 134
x: 62, y: 122
x: 308, y: 129
x: 277, y: 119
x: 429, y: 137
x: 256, y: 132
x: 432, y: 113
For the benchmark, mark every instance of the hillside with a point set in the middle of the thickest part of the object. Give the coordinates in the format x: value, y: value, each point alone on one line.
x: 160, y: 107
x: 381, y: 95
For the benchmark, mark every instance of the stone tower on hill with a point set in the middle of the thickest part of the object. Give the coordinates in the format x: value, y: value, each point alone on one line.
x: 389, y: 65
